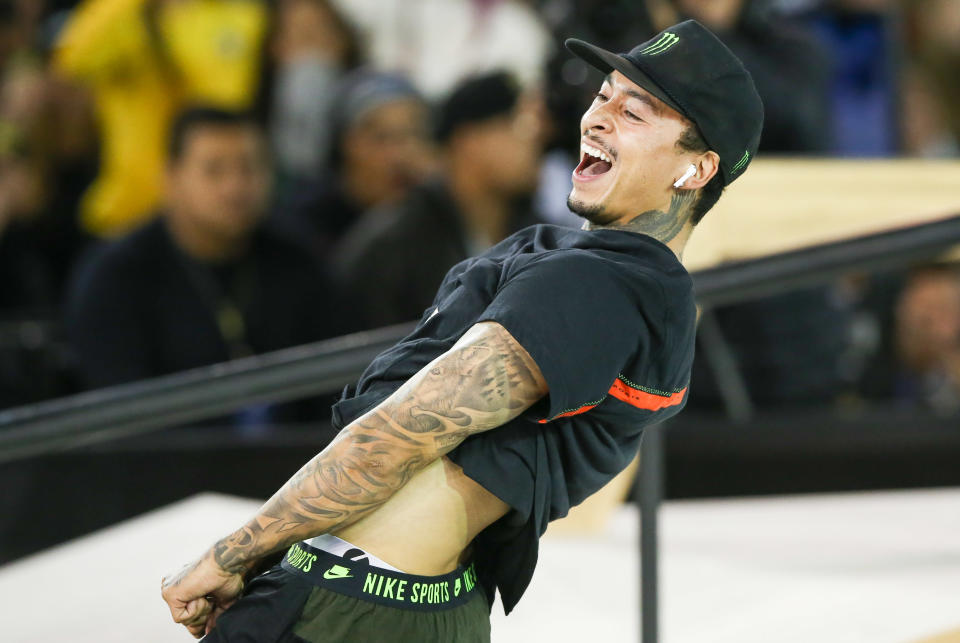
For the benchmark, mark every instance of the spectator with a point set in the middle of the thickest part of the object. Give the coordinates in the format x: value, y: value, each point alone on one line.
x: 205, y: 282
x: 437, y: 43
x: 44, y: 145
x: 381, y: 149
x: 27, y: 280
x: 931, y: 95
x: 312, y: 46
x: 927, y: 341
x: 143, y: 60
x: 394, y: 259
x: 859, y: 36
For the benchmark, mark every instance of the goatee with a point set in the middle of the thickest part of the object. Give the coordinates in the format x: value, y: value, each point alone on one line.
x: 593, y: 213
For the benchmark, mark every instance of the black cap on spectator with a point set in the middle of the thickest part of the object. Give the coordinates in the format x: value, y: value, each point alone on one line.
x: 689, y: 69
x: 477, y: 99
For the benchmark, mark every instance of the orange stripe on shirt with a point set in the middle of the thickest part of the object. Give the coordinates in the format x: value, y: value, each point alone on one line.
x: 642, y: 399
x: 582, y: 409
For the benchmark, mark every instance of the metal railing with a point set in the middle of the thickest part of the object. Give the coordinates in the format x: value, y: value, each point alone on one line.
x: 190, y: 396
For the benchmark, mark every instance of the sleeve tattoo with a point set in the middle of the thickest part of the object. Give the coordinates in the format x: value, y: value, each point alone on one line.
x: 484, y: 381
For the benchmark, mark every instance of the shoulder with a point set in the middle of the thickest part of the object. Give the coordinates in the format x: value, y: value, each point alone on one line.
x: 121, y: 270
x: 146, y: 248
x: 399, y: 229
x: 586, y: 269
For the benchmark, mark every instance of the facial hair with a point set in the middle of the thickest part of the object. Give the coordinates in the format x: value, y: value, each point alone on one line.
x: 595, y: 213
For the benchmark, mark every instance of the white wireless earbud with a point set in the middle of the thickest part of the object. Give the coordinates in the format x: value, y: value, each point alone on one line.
x: 686, y: 175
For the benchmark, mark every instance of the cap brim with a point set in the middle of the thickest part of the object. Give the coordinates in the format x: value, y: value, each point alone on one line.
x: 607, y: 61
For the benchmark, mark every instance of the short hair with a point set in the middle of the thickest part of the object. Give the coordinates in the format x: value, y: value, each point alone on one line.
x: 476, y: 99
x: 691, y: 140
x: 198, y: 116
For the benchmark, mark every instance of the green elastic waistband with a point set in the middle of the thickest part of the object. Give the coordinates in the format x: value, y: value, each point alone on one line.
x: 375, y: 585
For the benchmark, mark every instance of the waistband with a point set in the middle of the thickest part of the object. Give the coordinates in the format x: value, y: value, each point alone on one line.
x: 381, y: 586
x: 339, y: 547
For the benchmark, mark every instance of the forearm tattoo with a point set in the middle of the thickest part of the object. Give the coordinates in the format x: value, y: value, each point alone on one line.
x: 485, y: 380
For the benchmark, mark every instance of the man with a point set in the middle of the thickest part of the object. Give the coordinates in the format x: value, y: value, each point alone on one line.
x: 203, y: 283
x: 379, y: 150
x: 520, y: 393
x: 918, y: 363
x: 476, y: 204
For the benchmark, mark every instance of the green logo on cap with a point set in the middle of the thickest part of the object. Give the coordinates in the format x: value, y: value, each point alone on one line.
x: 663, y: 43
x: 742, y: 163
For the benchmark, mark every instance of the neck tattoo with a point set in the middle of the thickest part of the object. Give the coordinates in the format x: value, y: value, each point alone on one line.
x: 662, y: 226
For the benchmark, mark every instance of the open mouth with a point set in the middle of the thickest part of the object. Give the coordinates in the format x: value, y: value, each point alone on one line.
x: 593, y: 162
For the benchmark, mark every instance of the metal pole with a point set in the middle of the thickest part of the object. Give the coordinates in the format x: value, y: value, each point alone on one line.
x: 726, y: 373
x: 650, y: 494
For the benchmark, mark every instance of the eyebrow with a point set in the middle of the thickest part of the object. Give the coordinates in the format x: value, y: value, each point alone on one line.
x: 643, y: 98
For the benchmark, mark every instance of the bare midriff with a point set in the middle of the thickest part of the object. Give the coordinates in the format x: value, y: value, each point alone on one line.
x: 426, y: 527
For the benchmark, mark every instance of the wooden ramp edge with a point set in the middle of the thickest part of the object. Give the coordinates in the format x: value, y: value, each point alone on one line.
x: 786, y: 204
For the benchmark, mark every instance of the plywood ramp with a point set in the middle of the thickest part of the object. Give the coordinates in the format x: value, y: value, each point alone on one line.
x: 785, y: 204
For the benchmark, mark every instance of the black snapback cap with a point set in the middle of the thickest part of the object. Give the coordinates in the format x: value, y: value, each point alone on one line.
x: 689, y: 69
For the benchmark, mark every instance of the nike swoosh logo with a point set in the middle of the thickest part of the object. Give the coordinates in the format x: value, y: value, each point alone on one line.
x: 337, y: 572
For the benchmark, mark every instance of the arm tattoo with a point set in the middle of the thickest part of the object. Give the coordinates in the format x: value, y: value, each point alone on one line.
x: 663, y: 226
x: 485, y: 380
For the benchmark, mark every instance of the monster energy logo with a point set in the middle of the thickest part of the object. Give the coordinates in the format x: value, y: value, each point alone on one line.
x: 663, y: 43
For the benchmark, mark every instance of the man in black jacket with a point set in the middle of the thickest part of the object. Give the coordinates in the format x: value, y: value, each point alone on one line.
x: 204, y: 282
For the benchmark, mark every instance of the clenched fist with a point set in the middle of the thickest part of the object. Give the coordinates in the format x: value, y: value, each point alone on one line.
x: 199, y: 593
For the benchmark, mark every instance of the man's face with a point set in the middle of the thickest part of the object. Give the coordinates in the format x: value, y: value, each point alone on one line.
x: 928, y: 319
x: 388, y: 149
x: 506, y: 149
x: 221, y: 180
x: 637, y: 135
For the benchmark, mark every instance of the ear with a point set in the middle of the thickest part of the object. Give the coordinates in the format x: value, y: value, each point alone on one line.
x: 707, y: 165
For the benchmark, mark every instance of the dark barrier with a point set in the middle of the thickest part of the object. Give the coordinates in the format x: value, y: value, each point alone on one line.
x: 325, y: 366
x: 120, y: 411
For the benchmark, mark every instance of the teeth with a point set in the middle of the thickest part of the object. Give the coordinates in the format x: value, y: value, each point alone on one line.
x: 592, y: 151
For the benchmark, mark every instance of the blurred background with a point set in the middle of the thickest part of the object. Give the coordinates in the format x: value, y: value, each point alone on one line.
x: 189, y: 182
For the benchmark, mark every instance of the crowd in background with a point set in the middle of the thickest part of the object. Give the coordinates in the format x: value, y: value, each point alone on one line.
x: 184, y: 182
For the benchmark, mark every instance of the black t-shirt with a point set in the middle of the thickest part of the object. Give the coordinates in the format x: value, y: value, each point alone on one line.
x: 609, y: 318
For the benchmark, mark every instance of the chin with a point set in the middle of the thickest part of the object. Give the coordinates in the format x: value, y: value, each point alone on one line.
x: 594, y: 212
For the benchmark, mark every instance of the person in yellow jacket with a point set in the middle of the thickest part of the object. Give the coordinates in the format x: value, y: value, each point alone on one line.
x: 143, y: 61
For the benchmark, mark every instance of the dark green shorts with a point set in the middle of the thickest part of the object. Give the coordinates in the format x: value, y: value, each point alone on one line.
x: 316, y: 597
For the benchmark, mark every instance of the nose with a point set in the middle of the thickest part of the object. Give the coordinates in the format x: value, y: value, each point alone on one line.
x: 596, y: 119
